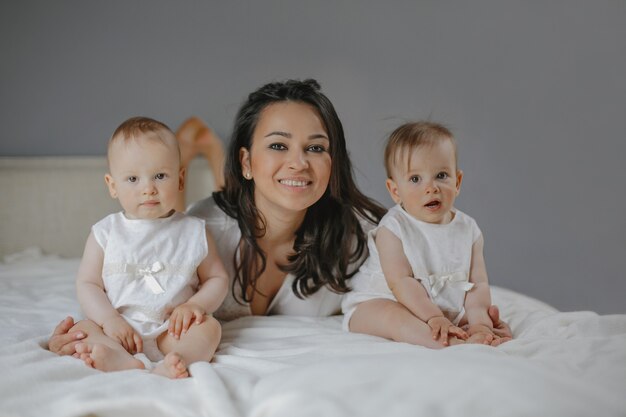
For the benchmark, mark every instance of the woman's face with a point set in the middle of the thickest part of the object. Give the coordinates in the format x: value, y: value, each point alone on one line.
x: 289, y: 159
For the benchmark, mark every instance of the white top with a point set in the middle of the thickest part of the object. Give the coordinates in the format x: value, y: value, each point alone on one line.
x: 150, y: 266
x: 440, y: 256
x: 226, y: 233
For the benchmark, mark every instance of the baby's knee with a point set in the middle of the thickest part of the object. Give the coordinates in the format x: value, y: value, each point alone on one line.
x: 210, y: 327
x: 87, y: 326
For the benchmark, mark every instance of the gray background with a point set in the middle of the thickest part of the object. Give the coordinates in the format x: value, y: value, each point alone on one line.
x: 535, y: 92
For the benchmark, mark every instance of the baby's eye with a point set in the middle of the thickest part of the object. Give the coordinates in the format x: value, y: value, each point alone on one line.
x: 160, y: 176
x: 132, y: 178
x: 415, y: 179
x: 443, y: 176
x: 317, y: 148
x: 278, y: 147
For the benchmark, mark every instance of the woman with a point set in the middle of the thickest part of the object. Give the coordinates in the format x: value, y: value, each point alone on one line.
x: 290, y: 224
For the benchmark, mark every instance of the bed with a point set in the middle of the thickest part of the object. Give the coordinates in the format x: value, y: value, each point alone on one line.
x: 559, y: 364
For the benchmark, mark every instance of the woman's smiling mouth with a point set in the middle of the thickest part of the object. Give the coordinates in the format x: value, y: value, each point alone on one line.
x: 295, y: 183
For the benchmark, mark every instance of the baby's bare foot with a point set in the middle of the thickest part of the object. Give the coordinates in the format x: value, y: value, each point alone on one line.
x: 455, y: 341
x: 196, y: 138
x: 173, y: 366
x: 107, y: 359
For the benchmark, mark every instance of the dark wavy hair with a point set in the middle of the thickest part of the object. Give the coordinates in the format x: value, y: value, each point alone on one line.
x: 323, y: 253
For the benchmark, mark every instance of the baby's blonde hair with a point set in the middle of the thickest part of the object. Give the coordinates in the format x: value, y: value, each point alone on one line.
x: 143, y: 126
x: 412, y: 135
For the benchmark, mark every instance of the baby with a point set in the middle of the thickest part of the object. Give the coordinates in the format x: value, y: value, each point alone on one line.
x: 426, y: 274
x: 150, y: 276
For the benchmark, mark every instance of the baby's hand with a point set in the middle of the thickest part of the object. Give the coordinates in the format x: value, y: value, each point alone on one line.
x: 118, y: 329
x: 183, y: 317
x: 480, y: 334
x: 442, y: 327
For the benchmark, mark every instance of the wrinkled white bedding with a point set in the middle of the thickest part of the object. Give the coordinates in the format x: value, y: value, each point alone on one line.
x: 560, y: 364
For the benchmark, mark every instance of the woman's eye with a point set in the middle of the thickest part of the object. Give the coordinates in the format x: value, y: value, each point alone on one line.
x: 160, y: 176
x: 317, y: 148
x: 132, y: 179
x: 415, y: 179
x: 278, y: 146
x: 442, y: 176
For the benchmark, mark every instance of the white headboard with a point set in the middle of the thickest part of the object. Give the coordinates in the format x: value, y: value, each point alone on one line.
x: 51, y: 202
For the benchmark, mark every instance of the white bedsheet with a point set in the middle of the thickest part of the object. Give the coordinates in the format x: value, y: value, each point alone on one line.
x: 560, y: 364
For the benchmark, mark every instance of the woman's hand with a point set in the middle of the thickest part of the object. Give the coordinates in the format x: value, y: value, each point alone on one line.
x: 442, y: 328
x: 62, y: 341
x: 501, y: 330
x: 119, y: 330
x: 480, y: 334
x: 183, y: 317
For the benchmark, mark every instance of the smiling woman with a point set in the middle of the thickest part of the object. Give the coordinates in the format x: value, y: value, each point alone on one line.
x: 290, y: 189
x: 289, y: 159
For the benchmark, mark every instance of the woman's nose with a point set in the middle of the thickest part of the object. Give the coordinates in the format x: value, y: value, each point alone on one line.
x: 298, y: 159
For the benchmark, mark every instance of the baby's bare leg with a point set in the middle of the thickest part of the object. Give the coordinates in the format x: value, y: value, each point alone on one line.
x: 101, y: 352
x: 106, y: 358
x: 95, y: 335
x: 198, y: 344
x: 391, y: 320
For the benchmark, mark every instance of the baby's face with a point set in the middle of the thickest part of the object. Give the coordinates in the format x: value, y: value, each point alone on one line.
x: 145, y: 176
x: 428, y: 186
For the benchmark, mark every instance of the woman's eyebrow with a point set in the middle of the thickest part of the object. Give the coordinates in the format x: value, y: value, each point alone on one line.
x: 279, y: 133
x: 289, y: 135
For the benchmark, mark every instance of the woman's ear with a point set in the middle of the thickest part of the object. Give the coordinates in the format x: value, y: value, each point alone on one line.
x: 392, y: 187
x: 110, y: 182
x: 244, y: 160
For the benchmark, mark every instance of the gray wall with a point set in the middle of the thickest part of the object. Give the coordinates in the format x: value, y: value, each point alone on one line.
x: 535, y: 92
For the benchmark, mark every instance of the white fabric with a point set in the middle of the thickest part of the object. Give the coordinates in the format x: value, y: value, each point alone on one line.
x: 150, y: 267
x: 559, y: 365
x: 440, y: 256
x: 226, y: 233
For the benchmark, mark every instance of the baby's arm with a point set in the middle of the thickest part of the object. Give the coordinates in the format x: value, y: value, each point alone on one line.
x: 95, y: 303
x: 211, y: 293
x: 409, y: 291
x: 478, y: 299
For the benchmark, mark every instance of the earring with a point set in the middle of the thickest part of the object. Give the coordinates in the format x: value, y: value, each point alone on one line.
x: 248, y: 175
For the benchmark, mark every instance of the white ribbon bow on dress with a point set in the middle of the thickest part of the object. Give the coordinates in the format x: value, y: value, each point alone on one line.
x: 148, y: 277
x: 457, y: 279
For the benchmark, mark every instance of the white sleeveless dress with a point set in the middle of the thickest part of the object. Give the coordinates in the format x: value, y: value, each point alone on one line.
x: 150, y: 267
x: 440, y: 256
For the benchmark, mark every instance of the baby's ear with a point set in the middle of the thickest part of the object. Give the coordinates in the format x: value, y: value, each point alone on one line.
x: 392, y: 187
x: 459, y: 180
x: 110, y: 182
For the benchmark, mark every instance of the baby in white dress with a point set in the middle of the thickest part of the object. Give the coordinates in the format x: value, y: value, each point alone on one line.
x: 426, y: 274
x: 150, y: 277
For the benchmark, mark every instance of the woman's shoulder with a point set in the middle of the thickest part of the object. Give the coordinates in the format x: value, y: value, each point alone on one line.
x: 367, y: 224
x: 216, y: 220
